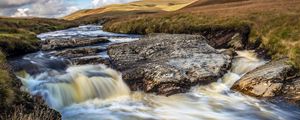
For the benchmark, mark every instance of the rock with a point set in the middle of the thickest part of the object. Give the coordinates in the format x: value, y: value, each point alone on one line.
x: 291, y: 91
x: 266, y: 81
x: 90, y: 60
x: 57, y: 44
x: 79, y: 52
x: 221, y: 38
x: 82, y: 56
x: 168, y: 64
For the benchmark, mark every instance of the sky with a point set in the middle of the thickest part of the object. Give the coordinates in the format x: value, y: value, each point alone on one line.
x: 50, y: 8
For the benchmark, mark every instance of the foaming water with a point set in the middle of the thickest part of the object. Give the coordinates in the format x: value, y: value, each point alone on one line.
x: 77, y: 84
x: 82, y: 31
x: 97, y: 92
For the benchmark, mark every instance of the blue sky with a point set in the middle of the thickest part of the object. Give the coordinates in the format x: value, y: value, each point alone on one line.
x: 50, y: 8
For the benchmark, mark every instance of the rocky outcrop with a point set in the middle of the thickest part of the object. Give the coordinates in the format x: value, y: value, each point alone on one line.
x: 168, y: 64
x: 57, y: 44
x: 82, y: 56
x: 291, y: 91
x: 274, y: 79
x: 79, y: 52
x: 236, y: 38
x: 90, y: 60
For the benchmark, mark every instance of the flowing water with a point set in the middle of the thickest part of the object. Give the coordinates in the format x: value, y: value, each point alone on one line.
x: 94, y: 92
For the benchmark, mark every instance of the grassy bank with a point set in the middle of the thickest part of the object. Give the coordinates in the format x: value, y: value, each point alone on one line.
x: 17, y: 37
x: 275, y: 23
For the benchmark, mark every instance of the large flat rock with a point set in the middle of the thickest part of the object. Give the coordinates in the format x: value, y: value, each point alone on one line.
x: 168, y: 64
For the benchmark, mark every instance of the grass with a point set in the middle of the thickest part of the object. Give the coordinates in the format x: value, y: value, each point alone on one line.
x: 7, y: 93
x: 39, y: 113
x: 17, y: 37
x: 275, y: 23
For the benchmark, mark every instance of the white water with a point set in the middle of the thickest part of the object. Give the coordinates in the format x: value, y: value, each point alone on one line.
x: 95, y: 92
x: 82, y: 31
x: 78, y: 84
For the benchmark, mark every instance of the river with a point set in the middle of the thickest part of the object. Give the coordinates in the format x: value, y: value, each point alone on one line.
x: 94, y: 92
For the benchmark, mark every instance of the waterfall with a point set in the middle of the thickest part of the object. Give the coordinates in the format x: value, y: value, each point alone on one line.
x: 77, y: 84
x: 243, y: 63
x: 96, y: 92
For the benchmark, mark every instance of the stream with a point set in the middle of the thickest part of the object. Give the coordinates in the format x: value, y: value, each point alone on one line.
x: 94, y: 92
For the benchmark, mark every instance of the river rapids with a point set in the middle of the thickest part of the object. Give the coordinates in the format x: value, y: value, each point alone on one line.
x: 95, y: 92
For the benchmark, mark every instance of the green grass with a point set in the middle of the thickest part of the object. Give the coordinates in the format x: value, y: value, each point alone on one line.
x: 18, y: 36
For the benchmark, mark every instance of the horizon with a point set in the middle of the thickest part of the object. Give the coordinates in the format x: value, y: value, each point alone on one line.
x: 50, y: 8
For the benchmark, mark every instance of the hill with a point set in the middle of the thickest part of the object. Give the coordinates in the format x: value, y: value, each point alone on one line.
x: 144, y: 5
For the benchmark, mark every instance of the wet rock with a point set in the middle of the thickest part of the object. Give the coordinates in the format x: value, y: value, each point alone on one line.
x: 168, y: 64
x: 79, y: 52
x: 266, y: 81
x: 57, y: 44
x: 82, y: 56
x: 90, y: 60
x: 291, y: 91
x: 38, y: 66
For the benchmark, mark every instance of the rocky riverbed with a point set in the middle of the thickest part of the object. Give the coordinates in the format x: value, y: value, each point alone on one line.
x: 166, y: 76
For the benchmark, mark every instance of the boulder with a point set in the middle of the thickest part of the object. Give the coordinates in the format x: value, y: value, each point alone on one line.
x: 291, y: 91
x: 79, y: 52
x: 90, y: 60
x: 58, y: 44
x: 268, y: 80
x: 168, y: 64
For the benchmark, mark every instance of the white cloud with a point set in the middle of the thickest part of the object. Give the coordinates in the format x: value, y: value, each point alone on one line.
x: 99, y: 3
x: 14, y: 3
x: 21, y: 12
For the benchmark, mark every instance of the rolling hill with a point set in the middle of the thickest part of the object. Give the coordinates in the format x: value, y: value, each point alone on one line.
x: 144, y: 5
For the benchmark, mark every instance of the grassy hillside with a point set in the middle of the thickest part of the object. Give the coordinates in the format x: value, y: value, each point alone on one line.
x: 274, y: 22
x: 144, y: 5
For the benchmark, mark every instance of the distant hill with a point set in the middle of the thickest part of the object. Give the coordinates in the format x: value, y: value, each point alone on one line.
x: 144, y: 5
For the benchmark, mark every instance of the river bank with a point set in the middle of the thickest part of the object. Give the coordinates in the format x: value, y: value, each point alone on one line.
x: 165, y: 64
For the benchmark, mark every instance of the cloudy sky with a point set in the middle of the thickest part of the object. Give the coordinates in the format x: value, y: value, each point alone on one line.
x: 49, y: 8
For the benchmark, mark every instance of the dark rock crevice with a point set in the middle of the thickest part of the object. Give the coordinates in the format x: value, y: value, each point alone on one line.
x: 228, y: 37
